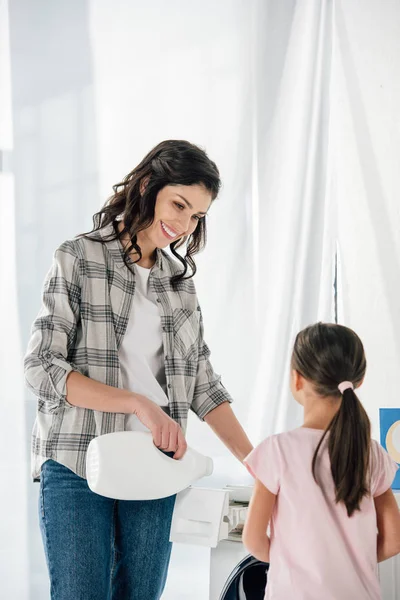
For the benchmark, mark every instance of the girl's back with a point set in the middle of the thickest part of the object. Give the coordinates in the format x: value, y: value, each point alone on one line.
x: 317, y: 552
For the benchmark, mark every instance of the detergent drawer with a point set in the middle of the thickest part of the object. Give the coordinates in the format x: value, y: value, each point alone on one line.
x: 205, y: 516
x: 200, y: 517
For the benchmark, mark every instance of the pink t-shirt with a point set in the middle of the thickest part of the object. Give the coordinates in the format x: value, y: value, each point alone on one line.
x: 317, y: 552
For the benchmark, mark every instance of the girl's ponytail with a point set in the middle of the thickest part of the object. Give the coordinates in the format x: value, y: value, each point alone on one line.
x: 349, y: 451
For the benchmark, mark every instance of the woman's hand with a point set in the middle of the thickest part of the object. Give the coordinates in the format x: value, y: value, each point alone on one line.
x: 167, y: 434
x: 88, y: 393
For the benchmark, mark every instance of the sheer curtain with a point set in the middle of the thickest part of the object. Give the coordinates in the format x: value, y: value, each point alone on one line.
x: 366, y: 104
x: 296, y: 225
x: 249, y: 82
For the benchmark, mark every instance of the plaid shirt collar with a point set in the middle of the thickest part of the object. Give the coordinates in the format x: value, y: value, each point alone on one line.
x: 116, y: 250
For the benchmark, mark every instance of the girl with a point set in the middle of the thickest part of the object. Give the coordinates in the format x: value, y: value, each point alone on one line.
x: 325, y: 487
x: 118, y: 345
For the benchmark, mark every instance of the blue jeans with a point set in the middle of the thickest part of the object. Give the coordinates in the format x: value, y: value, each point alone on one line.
x: 102, y: 549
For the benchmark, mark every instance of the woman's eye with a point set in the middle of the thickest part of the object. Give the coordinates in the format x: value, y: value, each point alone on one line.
x: 182, y: 207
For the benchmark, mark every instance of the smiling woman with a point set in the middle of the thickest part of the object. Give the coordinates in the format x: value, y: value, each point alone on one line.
x: 163, y: 201
x: 177, y: 213
x: 119, y: 346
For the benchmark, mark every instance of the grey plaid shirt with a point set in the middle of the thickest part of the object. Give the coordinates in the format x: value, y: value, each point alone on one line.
x: 86, y: 306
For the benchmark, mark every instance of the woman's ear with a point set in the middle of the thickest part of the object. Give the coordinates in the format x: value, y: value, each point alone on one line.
x: 143, y: 184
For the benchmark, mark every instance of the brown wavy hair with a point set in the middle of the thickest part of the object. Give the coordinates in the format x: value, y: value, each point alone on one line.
x: 327, y: 354
x: 172, y: 162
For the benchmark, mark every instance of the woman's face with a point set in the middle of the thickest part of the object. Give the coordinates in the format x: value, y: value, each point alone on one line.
x: 177, y: 213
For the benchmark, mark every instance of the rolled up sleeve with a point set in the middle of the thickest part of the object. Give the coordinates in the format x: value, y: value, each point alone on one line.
x: 209, y: 391
x: 54, y: 331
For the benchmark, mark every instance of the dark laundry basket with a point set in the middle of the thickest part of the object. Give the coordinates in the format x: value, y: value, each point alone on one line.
x: 247, y: 580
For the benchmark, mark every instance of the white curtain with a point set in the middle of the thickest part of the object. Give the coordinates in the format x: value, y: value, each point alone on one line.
x: 366, y: 101
x: 249, y: 82
x: 295, y: 228
x: 13, y: 443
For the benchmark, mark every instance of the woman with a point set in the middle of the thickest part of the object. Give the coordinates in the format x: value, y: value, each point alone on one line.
x: 118, y: 345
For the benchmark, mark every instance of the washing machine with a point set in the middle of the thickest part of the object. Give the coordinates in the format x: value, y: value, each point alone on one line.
x: 247, y: 581
x: 215, y: 518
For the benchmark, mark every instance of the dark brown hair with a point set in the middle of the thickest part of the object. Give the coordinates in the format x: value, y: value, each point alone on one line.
x: 172, y: 162
x: 327, y: 354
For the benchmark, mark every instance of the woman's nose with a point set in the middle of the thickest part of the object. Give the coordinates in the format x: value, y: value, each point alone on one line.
x: 184, y: 224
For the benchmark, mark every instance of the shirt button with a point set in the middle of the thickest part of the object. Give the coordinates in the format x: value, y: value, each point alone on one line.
x: 164, y: 329
x: 158, y: 300
x: 169, y: 386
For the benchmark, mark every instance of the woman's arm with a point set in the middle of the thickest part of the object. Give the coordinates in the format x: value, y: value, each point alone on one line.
x: 225, y: 425
x: 388, y: 522
x: 211, y: 402
x: 255, y: 536
x: 84, y: 392
x: 49, y: 373
x: 88, y: 393
x: 54, y: 330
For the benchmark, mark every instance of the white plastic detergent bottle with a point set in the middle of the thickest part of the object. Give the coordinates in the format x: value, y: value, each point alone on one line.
x: 126, y: 465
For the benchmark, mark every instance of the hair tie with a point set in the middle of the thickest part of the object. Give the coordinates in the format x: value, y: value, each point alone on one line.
x: 345, y: 385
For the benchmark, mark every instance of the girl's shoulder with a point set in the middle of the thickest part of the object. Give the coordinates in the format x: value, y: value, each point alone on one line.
x: 293, y: 441
x: 300, y: 433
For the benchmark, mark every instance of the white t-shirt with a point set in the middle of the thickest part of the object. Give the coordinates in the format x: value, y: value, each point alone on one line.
x: 141, y: 354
